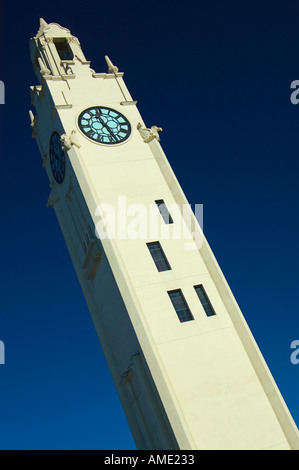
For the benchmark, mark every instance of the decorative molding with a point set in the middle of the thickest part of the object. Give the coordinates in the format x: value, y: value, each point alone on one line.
x: 128, y: 103
x: 33, y: 92
x: 54, y: 197
x: 45, y: 27
x: 97, y: 75
x: 106, y: 75
x: 69, y: 140
x: 54, y: 112
x: 73, y: 39
x: 114, y: 75
x: 127, y: 376
x: 66, y: 65
x: 44, y: 160
x: 68, y: 77
x: 42, y: 92
x: 34, y: 123
x: 149, y: 134
x: 84, y: 62
x: 43, y: 69
x: 90, y: 245
x: 63, y: 106
x: 92, y: 260
x: 87, y: 259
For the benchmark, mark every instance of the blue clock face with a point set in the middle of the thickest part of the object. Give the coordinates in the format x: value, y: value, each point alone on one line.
x: 57, y: 158
x: 104, y: 125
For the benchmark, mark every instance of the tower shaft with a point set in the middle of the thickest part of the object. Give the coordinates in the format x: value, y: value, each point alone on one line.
x: 186, y: 367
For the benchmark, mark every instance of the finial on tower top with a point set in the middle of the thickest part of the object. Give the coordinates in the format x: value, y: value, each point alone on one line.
x: 111, y: 68
x: 43, y: 25
x: 53, y: 29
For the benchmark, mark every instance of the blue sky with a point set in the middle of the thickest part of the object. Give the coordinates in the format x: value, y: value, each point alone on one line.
x: 216, y: 77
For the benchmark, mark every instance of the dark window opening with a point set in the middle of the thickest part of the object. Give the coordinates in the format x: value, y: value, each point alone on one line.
x: 180, y: 305
x: 158, y: 256
x: 64, y: 50
x: 164, y: 211
x: 205, y: 301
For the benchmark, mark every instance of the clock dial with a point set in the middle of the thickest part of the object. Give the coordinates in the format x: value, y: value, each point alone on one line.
x: 57, y: 158
x: 104, y: 125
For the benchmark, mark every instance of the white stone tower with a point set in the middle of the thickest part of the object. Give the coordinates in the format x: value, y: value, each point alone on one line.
x: 186, y: 367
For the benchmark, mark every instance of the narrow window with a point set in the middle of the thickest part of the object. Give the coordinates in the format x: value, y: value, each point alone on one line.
x: 205, y: 301
x: 63, y: 49
x: 158, y: 256
x: 164, y: 211
x: 180, y: 305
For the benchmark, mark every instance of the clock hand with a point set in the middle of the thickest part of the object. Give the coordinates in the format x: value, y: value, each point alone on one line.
x: 104, y: 124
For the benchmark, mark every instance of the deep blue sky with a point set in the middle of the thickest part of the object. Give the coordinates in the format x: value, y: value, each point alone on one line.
x: 216, y: 77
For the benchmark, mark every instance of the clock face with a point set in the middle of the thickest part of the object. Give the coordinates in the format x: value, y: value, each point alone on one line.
x: 104, y: 125
x: 57, y: 158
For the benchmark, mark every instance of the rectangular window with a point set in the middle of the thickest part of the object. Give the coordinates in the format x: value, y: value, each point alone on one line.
x: 180, y: 305
x: 164, y: 211
x: 63, y: 49
x: 205, y: 301
x: 158, y: 256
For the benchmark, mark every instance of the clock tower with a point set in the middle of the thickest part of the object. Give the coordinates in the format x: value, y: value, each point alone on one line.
x: 186, y: 367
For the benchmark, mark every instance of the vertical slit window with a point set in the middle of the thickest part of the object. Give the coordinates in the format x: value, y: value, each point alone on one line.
x: 164, y: 211
x: 158, y: 256
x: 205, y: 301
x: 180, y: 305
